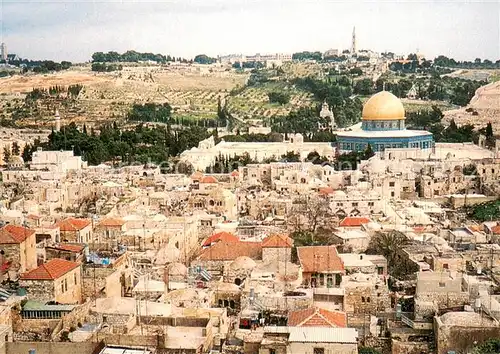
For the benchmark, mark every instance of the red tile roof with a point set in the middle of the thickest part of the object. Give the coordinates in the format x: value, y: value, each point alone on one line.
x: 229, y: 251
x: 316, y: 317
x: 235, y: 173
x: 326, y: 190
x: 277, y: 241
x: 72, y: 224
x: 14, y: 234
x: 53, y: 269
x: 112, y: 222
x: 319, y: 259
x: 209, y: 179
x: 354, y: 221
x: 197, y: 176
x: 496, y: 230
x: 220, y: 236
x: 69, y: 248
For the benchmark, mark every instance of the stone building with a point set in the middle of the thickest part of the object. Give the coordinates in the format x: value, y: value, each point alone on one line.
x: 438, y: 290
x: 76, y: 230
x: 57, y: 280
x: 383, y: 126
x: 110, y: 229
x: 277, y: 248
x: 310, y: 340
x: 365, y: 293
x: 321, y: 266
x: 317, y: 317
x: 216, y: 257
x: 69, y: 252
x: 17, y: 249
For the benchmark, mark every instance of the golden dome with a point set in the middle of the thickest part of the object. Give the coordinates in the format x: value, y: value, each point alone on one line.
x: 383, y: 106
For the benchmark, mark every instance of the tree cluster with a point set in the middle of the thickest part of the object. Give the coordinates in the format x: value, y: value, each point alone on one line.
x: 53, y: 91
x: 103, y: 68
x: 279, y: 97
x: 131, y: 56
x: 487, y: 211
x: 151, y: 112
x: 249, y: 65
x: 337, y: 93
x: 204, y: 59
x: 141, y: 144
x: 302, y: 56
x: 40, y: 66
x: 444, y: 61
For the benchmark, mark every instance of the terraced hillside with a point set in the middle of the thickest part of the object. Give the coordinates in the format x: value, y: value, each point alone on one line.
x: 108, y: 96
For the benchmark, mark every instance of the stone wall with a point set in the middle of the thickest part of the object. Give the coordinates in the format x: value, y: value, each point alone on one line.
x: 399, y: 347
x: 383, y: 345
x: 106, y: 282
x: 51, y: 347
x: 366, y: 299
x: 39, y: 290
x: 272, y: 254
x: 444, y: 300
x: 130, y: 340
x: 461, y: 339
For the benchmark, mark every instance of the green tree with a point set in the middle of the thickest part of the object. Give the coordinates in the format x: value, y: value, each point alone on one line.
x: 363, y: 87
x: 6, y: 153
x: 368, y: 350
x: 279, y: 97
x: 16, y: 150
x: 204, y: 59
x: 387, y: 244
x: 488, y: 347
x: 368, y: 152
x: 489, y: 130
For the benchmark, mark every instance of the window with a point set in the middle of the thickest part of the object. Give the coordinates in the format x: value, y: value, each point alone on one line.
x: 442, y: 284
x: 445, y: 266
x: 362, y: 299
x: 392, y: 184
x: 368, y: 299
x: 319, y: 351
x: 74, y: 276
x: 371, y: 203
x: 272, y: 351
x: 354, y: 204
x: 392, y: 194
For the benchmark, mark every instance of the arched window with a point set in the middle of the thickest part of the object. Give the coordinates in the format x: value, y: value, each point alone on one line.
x: 237, y: 281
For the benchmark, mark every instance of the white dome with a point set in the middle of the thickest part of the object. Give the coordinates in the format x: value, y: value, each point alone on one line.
x: 167, y: 255
x: 339, y: 194
x: 177, y: 269
x: 242, y: 262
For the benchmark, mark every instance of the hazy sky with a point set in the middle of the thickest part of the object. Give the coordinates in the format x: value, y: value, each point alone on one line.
x: 73, y: 30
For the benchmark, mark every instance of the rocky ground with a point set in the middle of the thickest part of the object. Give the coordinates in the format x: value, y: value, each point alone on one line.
x: 483, y: 108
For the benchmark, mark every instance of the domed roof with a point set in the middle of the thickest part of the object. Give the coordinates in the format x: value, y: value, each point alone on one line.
x: 383, y: 106
x: 243, y: 262
x: 177, y: 269
x: 167, y: 254
x: 209, y: 179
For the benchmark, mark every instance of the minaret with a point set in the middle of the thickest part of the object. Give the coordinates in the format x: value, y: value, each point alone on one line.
x: 353, y: 44
x: 57, y: 121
